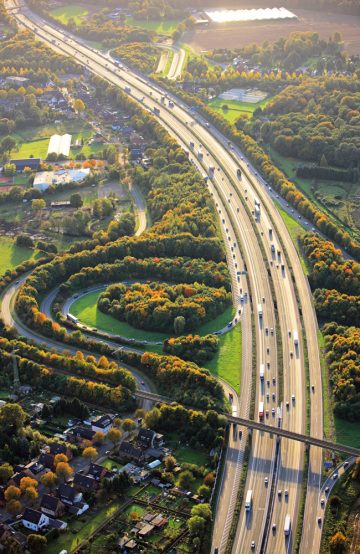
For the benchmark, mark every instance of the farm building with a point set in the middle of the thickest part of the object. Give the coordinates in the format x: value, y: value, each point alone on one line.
x: 32, y: 163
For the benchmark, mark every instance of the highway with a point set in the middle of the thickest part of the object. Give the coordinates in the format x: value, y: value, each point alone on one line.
x: 237, y: 194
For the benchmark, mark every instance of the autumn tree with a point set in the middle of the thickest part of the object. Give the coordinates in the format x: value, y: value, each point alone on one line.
x: 26, y: 483
x: 60, y: 458
x: 338, y: 543
x: 170, y: 463
x: 6, y: 471
x: 114, y: 435
x: 90, y: 453
x: 36, y: 543
x: 38, y: 204
x: 98, y: 438
x: 49, y: 480
x: 12, y: 493
x: 31, y: 494
x: 64, y: 471
x: 13, y: 506
x: 128, y: 424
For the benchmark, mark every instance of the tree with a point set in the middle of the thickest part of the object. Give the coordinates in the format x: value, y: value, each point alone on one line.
x: 202, y: 510
x: 24, y: 240
x: 13, y: 506
x: 338, y: 543
x: 128, y: 424
x: 27, y: 482
x: 9, y: 170
x: 49, y: 480
x: 76, y: 200
x: 204, y: 491
x: 79, y: 105
x: 36, y: 543
x: 179, y: 324
x: 31, y: 494
x: 209, y: 480
x: 185, y: 479
x: 7, y: 144
x: 152, y: 418
x: 196, y: 525
x: 60, y: 458
x: 170, y: 463
x: 114, y: 435
x: 6, y: 471
x: 38, y: 204
x: 98, y: 438
x: 64, y: 471
x: 12, y: 418
x: 12, y: 493
x: 90, y: 453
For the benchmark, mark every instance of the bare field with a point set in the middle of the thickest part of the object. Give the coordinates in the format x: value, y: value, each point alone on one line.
x: 237, y: 35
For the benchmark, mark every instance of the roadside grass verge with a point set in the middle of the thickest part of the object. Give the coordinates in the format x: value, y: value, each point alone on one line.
x: 327, y: 408
x: 347, y: 432
x: 226, y: 364
x: 295, y: 230
x: 162, y: 27
x: 12, y: 255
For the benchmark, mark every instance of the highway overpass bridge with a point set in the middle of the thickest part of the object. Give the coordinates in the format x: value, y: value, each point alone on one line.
x: 259, y: 426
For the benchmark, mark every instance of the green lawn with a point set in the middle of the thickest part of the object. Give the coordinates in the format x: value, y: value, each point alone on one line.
x: 111, y: 464
x: 74, y: 11
x: 12, y: 255
x: 295, y: 230
x: 227, y: 362
x: 162, y: 27
x: 347, y: 432
x: 185, y: 454
x: 235, y: 108
x: 35, y: 141
x: 73, y: 537
x: 85, y: 309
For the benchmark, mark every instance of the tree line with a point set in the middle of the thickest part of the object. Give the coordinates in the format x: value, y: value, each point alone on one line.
x: 198, y: 349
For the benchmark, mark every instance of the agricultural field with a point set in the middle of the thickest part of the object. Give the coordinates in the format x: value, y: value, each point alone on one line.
x: 74, y: 11
x: 163, y: 27
x: 238, y: 35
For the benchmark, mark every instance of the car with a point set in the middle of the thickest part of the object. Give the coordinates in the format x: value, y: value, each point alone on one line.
x: 273, y: 396
x: 267, y: 413
x: 143, y: 382
x: 319, y: 520
x: 268, y: 383
x: 17, y: 282
x: 271, y: 331
x: 289, y: 333
x: 266, y: 481
x: 335, y: 476
x: 252, y: 545
x: 279, y: 493
x: 286, y: 493
x: 273, y: 412
x: 240, y: 435
x: 346, y: 464
x: 268, y: 350
x: 313, y: 388
x: 108, y: 452
x: 322, y: 502
x: 327, y: 490
x: 267, y: 397
x: 287, y: 405
x: 291, y: 354
x: 274, y: 380
x: 274, y: 528
x: 216, y: 551
x: 293, y: 398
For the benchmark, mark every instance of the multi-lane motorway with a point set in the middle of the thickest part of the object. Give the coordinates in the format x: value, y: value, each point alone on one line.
x: 276, y: 281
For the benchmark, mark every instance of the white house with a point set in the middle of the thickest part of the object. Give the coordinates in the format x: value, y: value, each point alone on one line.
x: 34, y: 520
x: 102, y: 424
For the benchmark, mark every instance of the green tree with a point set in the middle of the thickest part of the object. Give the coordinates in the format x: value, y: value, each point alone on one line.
x: 186, y: 479
x: 36, y: 543
x: 79, y: 105
x: 179, y: 324
x: 7, y: 144
x: 170, y: 463
x: 12, y: 418
x: 9, y: 170
x: 196, y: 525
x: 6, y: 471
x: 38, y: 204
x: 76, y: 200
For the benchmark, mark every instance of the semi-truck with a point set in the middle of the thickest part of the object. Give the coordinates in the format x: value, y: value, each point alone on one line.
x: 262, y: 371
x: 287, y: 525
x: 257, y: 213
x: 261, y: 411
x: 260, y: 311
x: 248, y: 500
x: 72, y: 318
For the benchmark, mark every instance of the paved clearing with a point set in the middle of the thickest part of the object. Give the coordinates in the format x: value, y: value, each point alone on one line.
x: 237, y: 35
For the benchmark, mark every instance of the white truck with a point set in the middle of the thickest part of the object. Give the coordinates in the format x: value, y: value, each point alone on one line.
x: 260, y: 311
x: 287, y: 525
x: 248, y: 500
x: 262, y: 371
x: 296, y: 339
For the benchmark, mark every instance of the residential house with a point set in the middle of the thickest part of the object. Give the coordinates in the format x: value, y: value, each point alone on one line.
x: 102, y: 424
x: 2, y: 496
x: 146, y: 437
x: 60, y: 448
x: 82, y: 433
x: 68, y: 495
x: 85, y: 483
x: 130, y: 452
x: 34, y: 467
x: 78, y: 509
x: 34, y: 520
x: 16, y: 478
x: 145, y: 530
x: 52, y: 506
x: 97, y: 472
x: 159, y: 521
x: 47, y: 460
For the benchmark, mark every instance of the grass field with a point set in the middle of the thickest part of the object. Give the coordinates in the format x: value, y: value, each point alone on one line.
x: 64, y: 13
x: 85, y: 309
x: 295, y: 231
x: 34, y: 142
x: 347, y: 432
x: 227, y: 362
x: 12, y: 255
x: 163, y: 27
x: 235, y: 108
